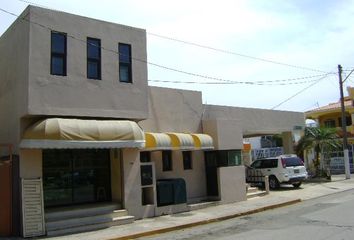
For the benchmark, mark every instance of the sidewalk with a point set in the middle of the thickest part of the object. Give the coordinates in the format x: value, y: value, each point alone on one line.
x: 283, y: 197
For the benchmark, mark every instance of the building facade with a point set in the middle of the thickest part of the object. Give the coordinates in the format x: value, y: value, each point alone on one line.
x: 91, y: 140
x: 330, y: 116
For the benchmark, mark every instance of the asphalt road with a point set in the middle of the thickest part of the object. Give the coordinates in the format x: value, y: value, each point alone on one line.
x: 330, y: 217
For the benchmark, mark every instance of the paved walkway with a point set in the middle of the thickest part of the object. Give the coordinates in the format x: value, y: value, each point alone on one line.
x: 284, y: 196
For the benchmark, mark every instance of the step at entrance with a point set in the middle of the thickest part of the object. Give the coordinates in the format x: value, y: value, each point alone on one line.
x: 253, y: 192
x: 67, y: 220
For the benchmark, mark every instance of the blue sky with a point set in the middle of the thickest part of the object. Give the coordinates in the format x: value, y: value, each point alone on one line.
x: 316, y: 34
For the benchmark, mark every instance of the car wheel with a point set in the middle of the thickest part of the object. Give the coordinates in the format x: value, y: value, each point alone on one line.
x: 297, y: 185
x: 273, y: 182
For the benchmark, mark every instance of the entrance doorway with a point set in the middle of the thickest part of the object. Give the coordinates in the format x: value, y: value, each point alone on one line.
x: 211, y: 167
x: 76, y: 176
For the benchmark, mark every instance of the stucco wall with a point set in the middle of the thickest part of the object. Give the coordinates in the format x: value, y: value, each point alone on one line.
x: 75, y: 94
x: 226, y: 133
x: 31, y: 163
x: 231, y: 182
x: 195, y: 177
x: 132, y: 182
x: 254, y: 121
x: 173, y: 110
x: 13, y: 80
x: 116, y: 175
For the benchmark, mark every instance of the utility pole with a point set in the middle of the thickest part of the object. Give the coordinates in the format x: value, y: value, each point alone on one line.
x: 344, y: 126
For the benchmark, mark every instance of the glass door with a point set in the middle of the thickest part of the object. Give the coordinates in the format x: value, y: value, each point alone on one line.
x: 76, y: 176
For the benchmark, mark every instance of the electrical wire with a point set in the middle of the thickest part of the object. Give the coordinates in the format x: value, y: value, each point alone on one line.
x: 348, y: 75
x: 160, y: 65
x: 299, y: 92
x: 267, y: 83
x: 213, y: 48
x: 235, y: 53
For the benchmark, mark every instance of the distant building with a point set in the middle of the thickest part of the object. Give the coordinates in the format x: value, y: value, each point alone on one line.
x: 330, y: 116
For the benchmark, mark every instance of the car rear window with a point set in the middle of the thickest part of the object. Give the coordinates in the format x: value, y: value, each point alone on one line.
x: 293, y: 162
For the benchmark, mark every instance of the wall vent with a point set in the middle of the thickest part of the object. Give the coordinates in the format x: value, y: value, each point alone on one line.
x: 32, y: 207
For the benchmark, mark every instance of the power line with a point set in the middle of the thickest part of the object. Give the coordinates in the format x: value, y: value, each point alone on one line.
x: 301, y: 91
x: 235, y: 53
x: 214, y: 48
x: 156, y: 64
x: 264, y: 83
x: 348, y: 75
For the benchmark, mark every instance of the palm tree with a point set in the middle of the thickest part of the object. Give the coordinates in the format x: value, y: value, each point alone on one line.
x: 322, y: 140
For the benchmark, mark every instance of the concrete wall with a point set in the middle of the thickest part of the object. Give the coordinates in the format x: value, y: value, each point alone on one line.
x: 254, y: 121
x: 13, y: 80
x: 132, y: 182
x: 31, y: 163
x: 74, y: 94
x: 173, y: 110
x: 195, y: 178
x: 226, y: 133
x: 231, y: 182
x: 116, y: 175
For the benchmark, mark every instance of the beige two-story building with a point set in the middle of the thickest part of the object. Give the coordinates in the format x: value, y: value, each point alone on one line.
x: 95, y: 146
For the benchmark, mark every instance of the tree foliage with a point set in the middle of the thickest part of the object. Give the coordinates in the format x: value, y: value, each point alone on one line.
x: 321, y: 140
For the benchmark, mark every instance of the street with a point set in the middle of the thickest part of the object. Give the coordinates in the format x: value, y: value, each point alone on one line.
x: 328, y: 217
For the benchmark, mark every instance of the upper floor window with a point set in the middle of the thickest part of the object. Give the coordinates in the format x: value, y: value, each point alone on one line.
x: 93, y: 58
x: 125, y: 63
x: 58, y: 54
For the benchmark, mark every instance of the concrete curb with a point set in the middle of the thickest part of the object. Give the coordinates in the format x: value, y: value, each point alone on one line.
x: 203, y: 222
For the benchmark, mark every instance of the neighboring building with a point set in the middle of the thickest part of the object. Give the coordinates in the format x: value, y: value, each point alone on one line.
x: 330, y: 116
x: 92, y: 141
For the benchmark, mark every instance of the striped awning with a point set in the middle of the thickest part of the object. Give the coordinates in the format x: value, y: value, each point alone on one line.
x: 77, y: 133
x: 157, y: 141
x: 181, y: 141
x: 202, y: 141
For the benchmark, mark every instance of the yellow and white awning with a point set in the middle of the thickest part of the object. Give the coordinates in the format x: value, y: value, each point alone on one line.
x: 77, y: 133
x: 181, y: 141
x: 157, y: 141
x: 202, y: 141
x: 177, y: 141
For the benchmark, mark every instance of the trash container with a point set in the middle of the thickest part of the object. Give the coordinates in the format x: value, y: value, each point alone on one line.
x: 171, y: 191
x: 180, y: 192
x: 164, y: 192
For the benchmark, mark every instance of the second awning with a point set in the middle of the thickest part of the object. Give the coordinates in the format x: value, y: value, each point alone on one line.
x: 181, y: 141
x: 157, y: 141
x: 202, y: 141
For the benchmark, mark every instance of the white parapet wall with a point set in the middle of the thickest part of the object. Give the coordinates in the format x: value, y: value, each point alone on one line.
x: 232, y: 185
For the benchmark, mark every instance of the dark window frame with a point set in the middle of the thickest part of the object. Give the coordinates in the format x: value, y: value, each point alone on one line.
x: 224, y: 157
x: 187, y: 160
x: 145, y: 156
x: 95, y: 60
x: 329, y: 123
x: 62, y: 55
x: 123, y: 63
x: 167, y: 164
x: 348, y: 121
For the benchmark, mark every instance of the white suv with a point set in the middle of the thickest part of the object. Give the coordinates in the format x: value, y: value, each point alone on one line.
x: 287, y: 169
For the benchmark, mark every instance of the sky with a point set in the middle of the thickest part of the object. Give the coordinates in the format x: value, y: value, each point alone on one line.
x: 252, y: 45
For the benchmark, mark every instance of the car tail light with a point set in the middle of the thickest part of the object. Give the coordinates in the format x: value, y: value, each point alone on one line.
x: 283, y: 162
